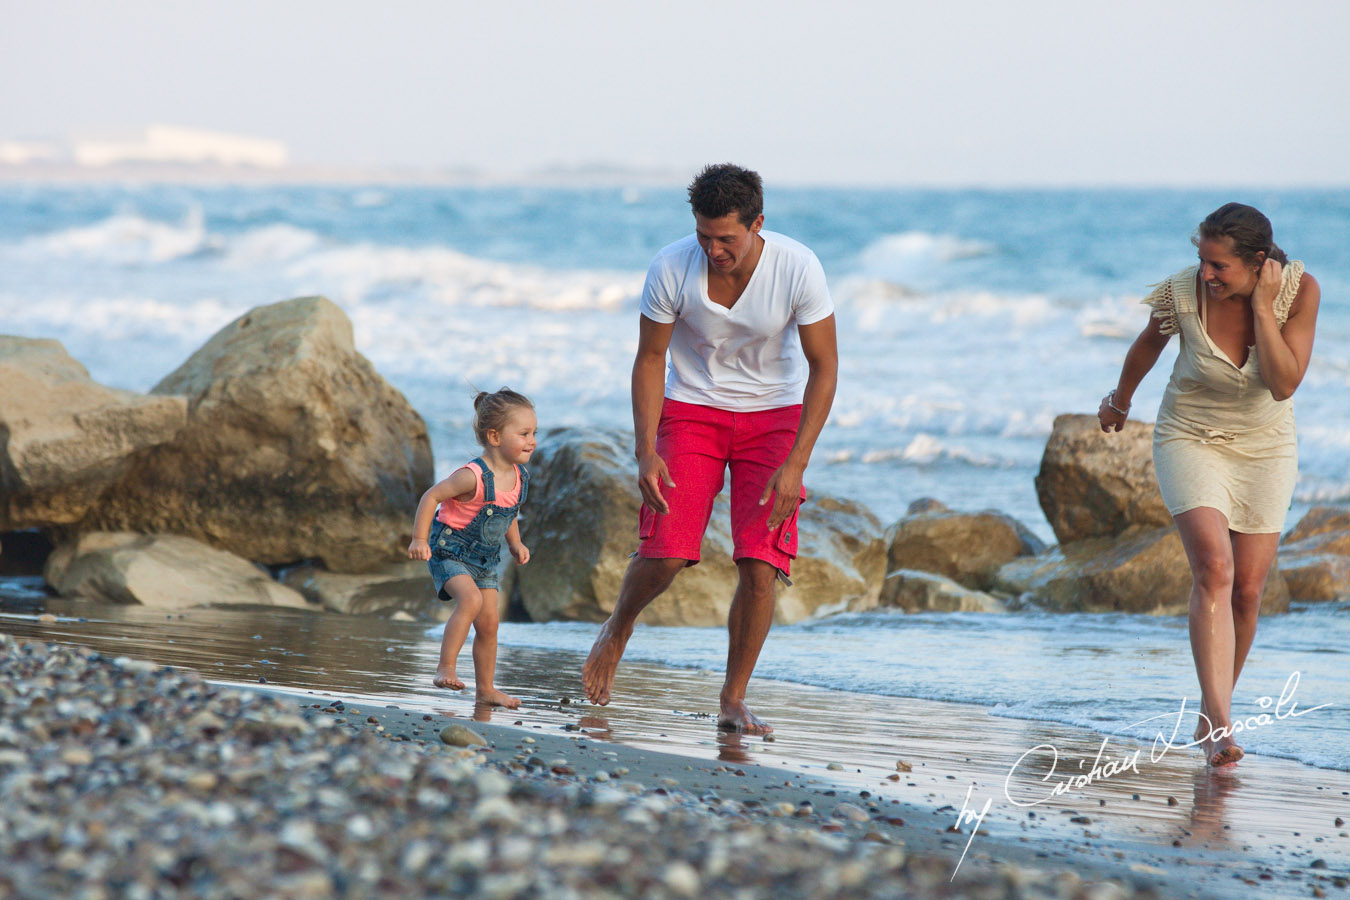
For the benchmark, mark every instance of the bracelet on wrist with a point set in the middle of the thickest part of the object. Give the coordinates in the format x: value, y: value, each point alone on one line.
x: 1111, y: 396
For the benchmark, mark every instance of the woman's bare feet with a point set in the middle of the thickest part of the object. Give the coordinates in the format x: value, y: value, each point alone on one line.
x: 445, y: 678
x: 597, y: 675
x: 737, y: 717
x: 1226, y: 753
x: 494, y: 697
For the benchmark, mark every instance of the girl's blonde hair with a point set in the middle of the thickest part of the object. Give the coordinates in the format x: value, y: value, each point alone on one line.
x: 491, y: 410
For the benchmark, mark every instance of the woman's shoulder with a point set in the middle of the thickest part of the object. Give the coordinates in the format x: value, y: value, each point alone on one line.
x: 1299, y: 291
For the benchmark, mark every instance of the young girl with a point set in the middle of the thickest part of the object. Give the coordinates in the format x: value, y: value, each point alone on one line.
x: 473, y: 510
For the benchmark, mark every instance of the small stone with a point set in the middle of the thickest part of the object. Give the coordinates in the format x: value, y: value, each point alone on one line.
x: 1318, y: 864
x: 469, y: 856
x: 46, y: 619
x: 76, y: 756
x: 460, y: 736
x: 1339, y: 821
x: 202, y: 781
x: 681, y: 879
x: 1081, y: 820
x: 579, y: 854
x: 602, y: 776
x: 495, y: 811
x: 835, y: 767
x: 902, y: 766
x: 850, y: 812
x: 1171, y: 801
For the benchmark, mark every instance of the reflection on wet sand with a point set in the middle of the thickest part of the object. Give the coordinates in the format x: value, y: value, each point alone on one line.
x: 920, y: 752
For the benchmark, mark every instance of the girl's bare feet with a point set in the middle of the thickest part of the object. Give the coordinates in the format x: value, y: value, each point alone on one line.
x: 494, y: 697
x: 445, y: 678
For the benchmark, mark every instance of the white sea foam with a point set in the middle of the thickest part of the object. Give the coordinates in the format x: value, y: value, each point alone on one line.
x: 909, y: 256
x: 123, y: 239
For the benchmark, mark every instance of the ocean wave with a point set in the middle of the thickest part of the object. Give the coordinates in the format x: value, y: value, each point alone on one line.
x: 925, y: 449
x: 123, y: 239
x: 908, y: 256
x: 446, y: 278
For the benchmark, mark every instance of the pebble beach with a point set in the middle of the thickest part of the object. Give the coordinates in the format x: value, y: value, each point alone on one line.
x: 121, y: 778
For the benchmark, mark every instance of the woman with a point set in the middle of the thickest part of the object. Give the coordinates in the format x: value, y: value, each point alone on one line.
x: 1224, y: 444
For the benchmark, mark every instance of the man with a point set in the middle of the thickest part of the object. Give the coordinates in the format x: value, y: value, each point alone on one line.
x: 739, y: 309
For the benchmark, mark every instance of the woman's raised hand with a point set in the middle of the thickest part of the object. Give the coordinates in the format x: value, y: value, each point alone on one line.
x: 1267, y: 286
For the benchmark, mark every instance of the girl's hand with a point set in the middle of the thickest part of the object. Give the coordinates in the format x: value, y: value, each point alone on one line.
x: 1268, y: 282
x: 419, y: 549
x: 1110, y: 419
x: 521, y: 553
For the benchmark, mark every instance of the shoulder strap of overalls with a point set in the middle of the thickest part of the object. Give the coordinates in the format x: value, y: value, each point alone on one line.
x: 524, y: 476
x: 489, y: 494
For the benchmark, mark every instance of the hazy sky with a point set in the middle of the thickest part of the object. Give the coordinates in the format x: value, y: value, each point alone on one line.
x: 1030, y: 92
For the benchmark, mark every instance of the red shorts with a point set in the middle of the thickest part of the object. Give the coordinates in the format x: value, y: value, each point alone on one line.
x: 697, y: 444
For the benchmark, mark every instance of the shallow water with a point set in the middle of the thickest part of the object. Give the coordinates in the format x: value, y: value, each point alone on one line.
x: 1277, y: 811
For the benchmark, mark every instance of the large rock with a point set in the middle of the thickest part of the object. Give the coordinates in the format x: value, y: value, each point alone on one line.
x: 1316, y: 577
x: 1141, y: 571
x: 581, y: 525
x: 968, y: 548
x: 1315, y: 555
x: 64, y: 438
x: 915, y: 591
x: 294, y: 448
x: 1093, y: 484
x: 398, y: 587
x: 163, y: 571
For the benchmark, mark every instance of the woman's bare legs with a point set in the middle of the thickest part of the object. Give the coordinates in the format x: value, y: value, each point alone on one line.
x: 1228, y: 576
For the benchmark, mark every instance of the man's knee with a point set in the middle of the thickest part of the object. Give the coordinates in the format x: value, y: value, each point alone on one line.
x: 757, y: 575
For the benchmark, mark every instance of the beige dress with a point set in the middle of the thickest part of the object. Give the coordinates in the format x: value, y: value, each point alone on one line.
x: 1221, y: 440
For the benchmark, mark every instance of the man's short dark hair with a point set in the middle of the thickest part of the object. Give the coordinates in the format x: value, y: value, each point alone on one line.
x: 725, y: 188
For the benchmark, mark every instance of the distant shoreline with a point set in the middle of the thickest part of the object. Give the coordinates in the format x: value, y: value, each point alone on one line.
x: 597, y: 176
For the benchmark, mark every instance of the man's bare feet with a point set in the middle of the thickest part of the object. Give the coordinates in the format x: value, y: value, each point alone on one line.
x: 597, y: 675
x: 737, y: 717
x: 445, y: 678
x: 1226, y: 753
x: 494, y: 697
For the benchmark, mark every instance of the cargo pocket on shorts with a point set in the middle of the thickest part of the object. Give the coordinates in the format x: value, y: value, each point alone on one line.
x: 786, y: 538
x: 646, y: 526
x: 646, y: 522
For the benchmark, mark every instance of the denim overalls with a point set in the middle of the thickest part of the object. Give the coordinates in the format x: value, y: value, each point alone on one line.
x: 476, y: 549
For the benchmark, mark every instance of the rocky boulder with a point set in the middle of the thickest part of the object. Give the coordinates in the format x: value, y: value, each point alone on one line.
x: 1093, y: 484
x: 968, y: 548
x: 1315, y: 555
x: 398, y: 587
x: 580, y: 523
x: 163, y: 571
x: 294, y: 448
x: 915, y: 591
x: 1143, y: 570
x: 64, y: 438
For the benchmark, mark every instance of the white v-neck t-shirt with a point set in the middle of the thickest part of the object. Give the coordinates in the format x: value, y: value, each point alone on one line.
x: 748, y: 357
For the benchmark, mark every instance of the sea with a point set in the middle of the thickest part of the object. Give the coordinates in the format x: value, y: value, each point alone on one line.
x: 968, y: 320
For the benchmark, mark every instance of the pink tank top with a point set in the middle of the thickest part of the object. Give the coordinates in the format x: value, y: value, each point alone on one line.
x: 459, y: 513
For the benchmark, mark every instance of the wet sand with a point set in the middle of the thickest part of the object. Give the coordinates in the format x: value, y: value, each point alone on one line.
x: 1269, y: 825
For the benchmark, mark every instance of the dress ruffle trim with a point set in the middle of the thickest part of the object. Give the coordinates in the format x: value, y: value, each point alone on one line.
x: 1289, y: 282
x: 1163, y: 301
